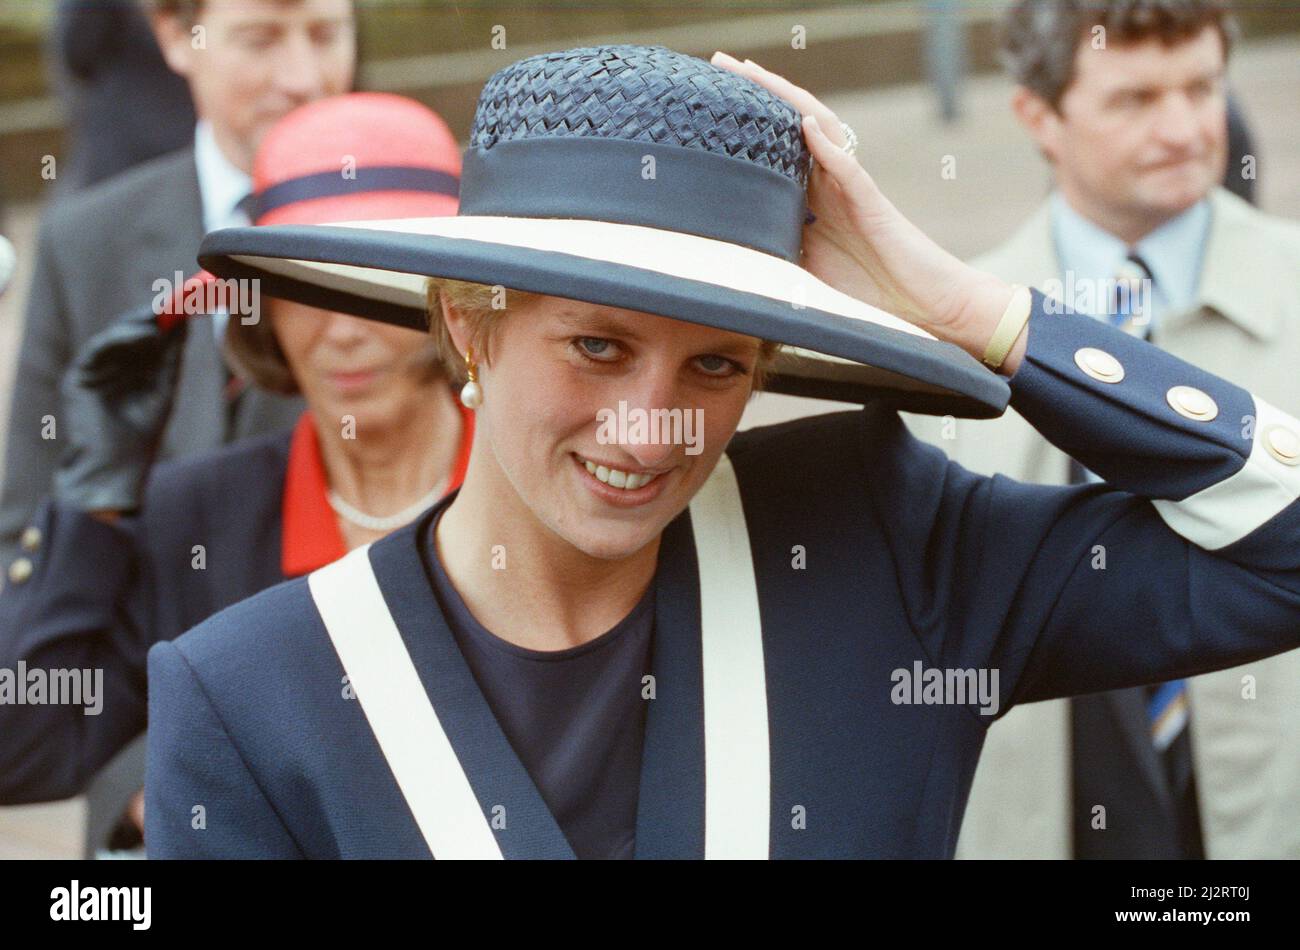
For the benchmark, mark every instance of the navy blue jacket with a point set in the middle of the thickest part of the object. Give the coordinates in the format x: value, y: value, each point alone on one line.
x: 101, y: 595
x: 255, y: 750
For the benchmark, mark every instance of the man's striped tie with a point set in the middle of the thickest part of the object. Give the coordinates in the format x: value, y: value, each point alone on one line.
x: 1130, y: 300
x: 1168, y: 716
x: 1167, y: 713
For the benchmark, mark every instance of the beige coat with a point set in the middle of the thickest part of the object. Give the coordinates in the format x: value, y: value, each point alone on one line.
x: 1245, y: 327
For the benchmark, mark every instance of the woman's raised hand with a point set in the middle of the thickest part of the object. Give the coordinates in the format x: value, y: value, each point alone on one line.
x: 862, y: 245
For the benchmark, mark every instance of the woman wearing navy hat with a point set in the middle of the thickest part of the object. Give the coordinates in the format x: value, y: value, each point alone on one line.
x: 636, y: 633
x: 114, y: 565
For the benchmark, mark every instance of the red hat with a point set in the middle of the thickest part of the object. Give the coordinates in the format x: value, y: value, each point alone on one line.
x: 365, y: 156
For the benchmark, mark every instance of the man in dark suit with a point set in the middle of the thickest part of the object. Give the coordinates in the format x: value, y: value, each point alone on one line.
x: 104, y: 252
x: 124, y: 105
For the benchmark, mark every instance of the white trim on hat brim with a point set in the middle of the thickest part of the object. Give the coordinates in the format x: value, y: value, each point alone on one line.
x: 688, y: 256
x: 688, y: 259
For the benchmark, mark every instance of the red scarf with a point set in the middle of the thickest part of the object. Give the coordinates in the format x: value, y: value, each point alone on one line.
x: 310, y: 529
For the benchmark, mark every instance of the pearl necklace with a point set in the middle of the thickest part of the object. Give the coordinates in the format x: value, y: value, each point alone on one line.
x: 389, y: 522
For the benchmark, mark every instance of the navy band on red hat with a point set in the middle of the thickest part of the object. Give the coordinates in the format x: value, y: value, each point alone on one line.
x: 368, y: 178
x: 693, y: 191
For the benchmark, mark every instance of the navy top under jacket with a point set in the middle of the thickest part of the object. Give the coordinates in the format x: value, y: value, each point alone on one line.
x: 575, y: 717
x: 100, y: 595
x: 910, y: 561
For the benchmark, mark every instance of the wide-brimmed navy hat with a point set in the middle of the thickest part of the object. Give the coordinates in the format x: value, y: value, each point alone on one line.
x: 633, y: 177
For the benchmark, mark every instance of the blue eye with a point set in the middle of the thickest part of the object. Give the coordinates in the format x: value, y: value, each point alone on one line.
x: 597, y: 348
x: 717, y: 365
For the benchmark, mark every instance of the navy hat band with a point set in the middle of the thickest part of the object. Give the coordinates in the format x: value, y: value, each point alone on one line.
x: 368, y: 178
x: 601, y: 179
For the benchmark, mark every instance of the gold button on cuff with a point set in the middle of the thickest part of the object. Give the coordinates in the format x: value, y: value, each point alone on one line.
x: 20, y: 570
x: 1099, y: 364
x: 1192, y: 403
x: 30, y: 539
x: 1283, y: 445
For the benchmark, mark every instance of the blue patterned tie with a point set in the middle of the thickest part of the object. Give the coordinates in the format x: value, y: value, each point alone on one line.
x: 1130, y: 300
x: 1168, y: 715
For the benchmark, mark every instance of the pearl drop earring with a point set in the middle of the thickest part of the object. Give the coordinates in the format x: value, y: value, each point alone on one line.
x: 471, y: 394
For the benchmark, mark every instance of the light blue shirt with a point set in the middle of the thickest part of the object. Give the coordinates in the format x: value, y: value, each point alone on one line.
x: 1174, y: 252
x: 221, y: 187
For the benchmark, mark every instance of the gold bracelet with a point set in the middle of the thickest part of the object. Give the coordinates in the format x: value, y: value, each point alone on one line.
x: 1009, y: 327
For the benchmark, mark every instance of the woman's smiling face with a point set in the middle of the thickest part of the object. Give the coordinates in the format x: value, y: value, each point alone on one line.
x: 551, y: 404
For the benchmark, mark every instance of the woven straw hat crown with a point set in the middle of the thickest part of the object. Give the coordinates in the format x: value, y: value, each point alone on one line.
x: 641, y: 93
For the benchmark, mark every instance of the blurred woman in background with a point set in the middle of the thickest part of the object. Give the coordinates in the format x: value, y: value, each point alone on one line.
x: 124, y: 556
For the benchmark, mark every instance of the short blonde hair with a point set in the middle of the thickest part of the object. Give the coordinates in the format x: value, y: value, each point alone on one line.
x: 481, y: 304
